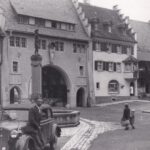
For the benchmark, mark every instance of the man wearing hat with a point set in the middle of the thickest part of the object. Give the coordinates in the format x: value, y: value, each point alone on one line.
x: 34, y: 121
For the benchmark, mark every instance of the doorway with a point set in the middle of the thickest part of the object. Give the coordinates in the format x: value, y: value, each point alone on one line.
x: 15, y: 95
x: 80, y: 97
x: 132, y: 89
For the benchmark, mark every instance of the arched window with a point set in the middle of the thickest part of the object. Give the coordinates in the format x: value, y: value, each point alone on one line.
x: 113, y: 86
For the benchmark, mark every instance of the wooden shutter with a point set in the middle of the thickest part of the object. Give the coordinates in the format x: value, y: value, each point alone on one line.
x: 96, y: 62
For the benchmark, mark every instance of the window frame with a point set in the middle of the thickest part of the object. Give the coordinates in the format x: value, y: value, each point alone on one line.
x: 97, y: 85
x: 113, y: 86
x: 15, y: 66
x: 23, y: 19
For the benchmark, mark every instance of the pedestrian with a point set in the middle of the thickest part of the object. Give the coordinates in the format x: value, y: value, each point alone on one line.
x: 126, y: 117
x: 132, y: 118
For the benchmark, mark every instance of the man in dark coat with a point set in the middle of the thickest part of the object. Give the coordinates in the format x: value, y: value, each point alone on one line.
x: 34, y: 122
x: 126, y: 116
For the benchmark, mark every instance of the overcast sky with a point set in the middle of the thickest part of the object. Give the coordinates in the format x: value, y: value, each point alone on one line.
x: 135, y: 9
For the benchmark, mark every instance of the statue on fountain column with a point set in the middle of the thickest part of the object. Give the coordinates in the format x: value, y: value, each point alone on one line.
x: 36, y: 34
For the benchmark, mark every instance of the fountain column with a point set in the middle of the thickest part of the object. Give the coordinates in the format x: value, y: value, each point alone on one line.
x: 36, y: 64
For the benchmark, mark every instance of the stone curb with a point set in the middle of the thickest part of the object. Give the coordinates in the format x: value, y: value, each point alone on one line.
x: 119, y: 102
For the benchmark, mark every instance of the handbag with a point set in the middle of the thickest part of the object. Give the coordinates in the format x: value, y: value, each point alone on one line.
x: 125, y: 122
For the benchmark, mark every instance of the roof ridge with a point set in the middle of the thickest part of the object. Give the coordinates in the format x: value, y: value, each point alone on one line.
x: 133, y: 20
x: 91, y: 5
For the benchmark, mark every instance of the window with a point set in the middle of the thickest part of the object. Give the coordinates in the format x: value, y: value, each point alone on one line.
x: 114, y: 48
x: 124, y: 49
x: 132, y: 50
x: 119, y: 50
x: 12, y: 41
x: 54, y: 24
x: 42, y: 44
x: 59, y: 46
x: 105, y: 66
x: 111, y: 66
x: 58, y: 25
x: 79, y: 48
x: 104, y: 47
x: 97, y: 85
x: 118, y: 67
x: 81, y: 69
x: 128, y: 67
x: 98, y: 65
x: 70, y: 27
x: 23, y: 19
x: 113, y: 86
x: 40, y: 22
x: 15, y: 66
x: 96, y: 45
x: 18, y: 41
x: 108, y: 28
x: 23, y: 42
x: 75, y: 48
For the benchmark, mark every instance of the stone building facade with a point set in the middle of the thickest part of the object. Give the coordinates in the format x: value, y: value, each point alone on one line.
x: 64, y: 66
x: 114, y: 63
x: 143, y: 55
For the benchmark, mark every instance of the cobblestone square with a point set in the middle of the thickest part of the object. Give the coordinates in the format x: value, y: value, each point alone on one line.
x: 104, y: 131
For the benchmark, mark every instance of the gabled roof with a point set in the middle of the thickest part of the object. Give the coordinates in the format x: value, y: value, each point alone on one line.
x: 59, y: 10
x: 131, y: 59
x: 143, y: 38
x: 106, y: 15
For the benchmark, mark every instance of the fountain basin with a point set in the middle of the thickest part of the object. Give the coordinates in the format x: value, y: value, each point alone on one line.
x: 67, y: 118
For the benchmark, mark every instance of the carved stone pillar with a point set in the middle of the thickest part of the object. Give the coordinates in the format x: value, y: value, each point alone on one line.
x: 36, y: 64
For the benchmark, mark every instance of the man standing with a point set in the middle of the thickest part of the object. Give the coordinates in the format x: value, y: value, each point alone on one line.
x: 34, y: 122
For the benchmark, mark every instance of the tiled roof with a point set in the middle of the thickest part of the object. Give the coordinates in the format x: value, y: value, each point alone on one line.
x: 130, y: 59
x: 143, y: 38
x: 59, y: 10
x: 11, y: 20
x: 106, y: 15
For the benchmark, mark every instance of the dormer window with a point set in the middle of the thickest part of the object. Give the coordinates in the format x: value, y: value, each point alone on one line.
x: 122, y: 28
x: 95, y: 22
x: 107, y: 26
x: 23, y: 19
x: 40, y: 22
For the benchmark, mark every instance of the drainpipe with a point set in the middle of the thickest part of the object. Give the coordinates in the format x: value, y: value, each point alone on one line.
x: 1, y: 60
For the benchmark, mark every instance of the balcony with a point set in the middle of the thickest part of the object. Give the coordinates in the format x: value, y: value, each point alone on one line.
x: 131, y: 75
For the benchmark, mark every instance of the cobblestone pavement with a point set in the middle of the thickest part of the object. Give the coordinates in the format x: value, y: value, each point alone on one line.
x: 85, y: 133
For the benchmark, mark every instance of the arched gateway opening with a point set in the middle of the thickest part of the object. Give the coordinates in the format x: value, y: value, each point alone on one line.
x: 55, y: 85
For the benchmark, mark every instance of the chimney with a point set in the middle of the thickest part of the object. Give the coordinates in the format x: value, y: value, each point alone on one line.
x: 87, y: 2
